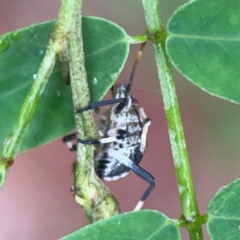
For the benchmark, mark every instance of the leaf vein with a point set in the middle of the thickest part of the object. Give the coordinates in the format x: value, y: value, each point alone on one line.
x: 107, y: 47
x: 14, y: 90
x: 196, y: 62
x: 224, y: 218
x: 158, y: 230
x: 184, y: 36
x: 224, y: 49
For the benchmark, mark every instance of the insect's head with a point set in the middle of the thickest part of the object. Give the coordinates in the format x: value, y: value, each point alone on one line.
x: 120, y: 91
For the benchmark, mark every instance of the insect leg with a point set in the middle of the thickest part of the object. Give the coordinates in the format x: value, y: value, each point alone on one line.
x: 121, y: 134
x: 94, y: 105
x: 137, y: 170
x: 73, y: 147
x: 101, y: 116
x: 67, y: 140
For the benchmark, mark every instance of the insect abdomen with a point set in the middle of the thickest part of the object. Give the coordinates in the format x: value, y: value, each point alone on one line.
x: 109, y: 168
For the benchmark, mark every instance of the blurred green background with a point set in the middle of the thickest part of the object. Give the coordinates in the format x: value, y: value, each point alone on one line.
x: 36, y: 202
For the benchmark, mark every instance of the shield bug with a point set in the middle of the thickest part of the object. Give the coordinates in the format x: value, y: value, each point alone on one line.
x: 123, y: 130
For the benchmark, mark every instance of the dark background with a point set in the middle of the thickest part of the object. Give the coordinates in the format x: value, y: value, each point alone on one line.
x: 36, y: 202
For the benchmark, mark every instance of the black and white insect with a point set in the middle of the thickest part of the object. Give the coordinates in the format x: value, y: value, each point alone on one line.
x: 123, y: 130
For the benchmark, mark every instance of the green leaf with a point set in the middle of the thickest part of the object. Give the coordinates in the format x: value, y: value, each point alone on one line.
x: 224, y: 213
x: 133, y: 225
x: 204, y: 45
x: 106, y: 49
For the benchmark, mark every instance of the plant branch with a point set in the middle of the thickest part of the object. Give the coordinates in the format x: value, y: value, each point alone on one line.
x: 90, y: 192
x: 190, y: 210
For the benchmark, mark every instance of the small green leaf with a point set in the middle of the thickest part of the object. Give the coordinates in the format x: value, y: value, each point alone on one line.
x: 106, y: 49
x: 204, y: 45
x: 133, y: 225
x: 224, y: 213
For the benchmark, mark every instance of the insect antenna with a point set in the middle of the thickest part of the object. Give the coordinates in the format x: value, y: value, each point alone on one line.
x: 129, y: 85
x: 138, y: 57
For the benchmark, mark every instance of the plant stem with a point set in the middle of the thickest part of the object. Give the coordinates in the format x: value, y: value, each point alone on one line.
x: 185, y: 183
x: 90, y: 192
x: 14, y: 140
